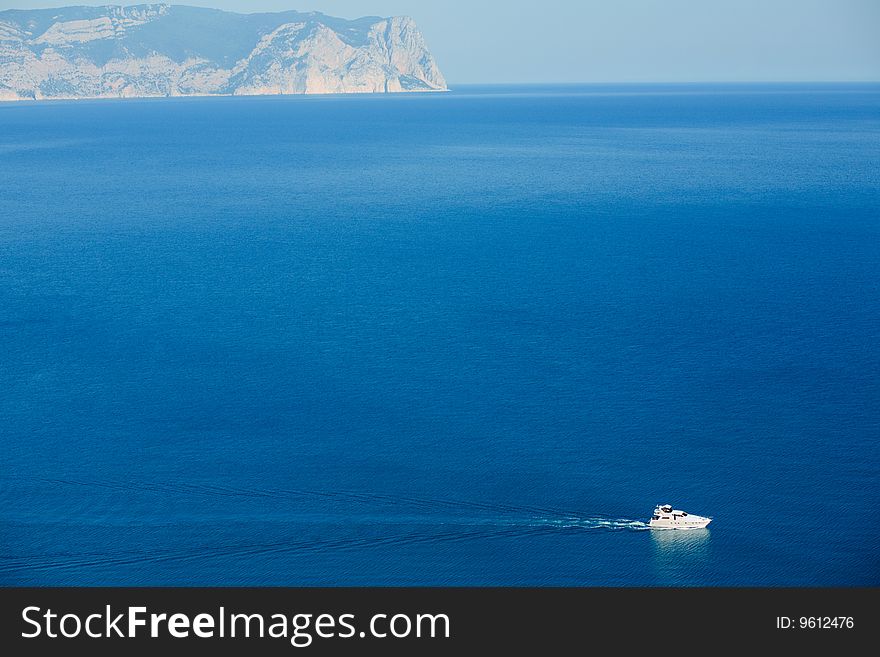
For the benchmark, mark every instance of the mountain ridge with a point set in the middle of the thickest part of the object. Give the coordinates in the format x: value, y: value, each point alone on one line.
x: 175, y: 50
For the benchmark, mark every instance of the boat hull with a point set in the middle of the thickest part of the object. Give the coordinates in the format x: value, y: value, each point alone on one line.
x: 692, y: 522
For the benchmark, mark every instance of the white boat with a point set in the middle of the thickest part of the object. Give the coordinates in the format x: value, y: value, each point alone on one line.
x: 665, y: 517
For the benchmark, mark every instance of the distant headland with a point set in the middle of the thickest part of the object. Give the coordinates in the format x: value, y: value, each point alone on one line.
x: 162, y: 50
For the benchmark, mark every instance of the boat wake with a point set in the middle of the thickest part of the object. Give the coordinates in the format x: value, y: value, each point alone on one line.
x: 357, y: 521
x: 396, y: 507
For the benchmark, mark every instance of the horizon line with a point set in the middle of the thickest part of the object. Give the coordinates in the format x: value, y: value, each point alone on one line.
x: 450, y: 84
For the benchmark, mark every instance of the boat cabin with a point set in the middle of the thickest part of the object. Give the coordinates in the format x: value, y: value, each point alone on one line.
x: 666, y: 512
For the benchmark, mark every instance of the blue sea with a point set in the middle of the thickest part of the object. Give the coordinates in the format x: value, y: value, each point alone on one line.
x: 445, y: 339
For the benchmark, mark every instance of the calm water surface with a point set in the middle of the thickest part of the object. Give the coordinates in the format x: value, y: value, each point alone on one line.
x: 455, y: 339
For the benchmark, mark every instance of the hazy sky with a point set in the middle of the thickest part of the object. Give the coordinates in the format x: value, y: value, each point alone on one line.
x: 620, y: 40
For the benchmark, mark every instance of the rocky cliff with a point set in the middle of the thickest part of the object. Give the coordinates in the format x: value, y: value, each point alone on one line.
x: 162, y: 50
